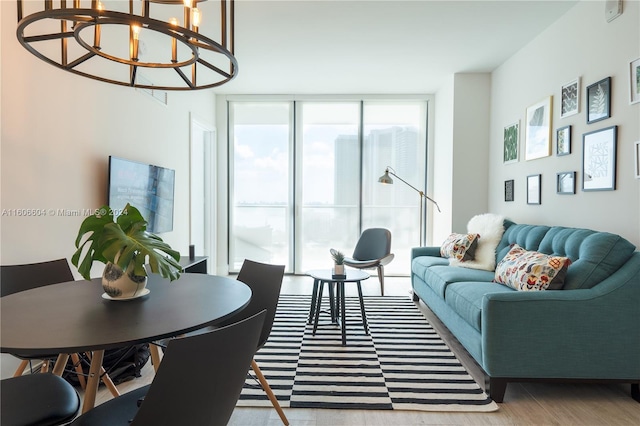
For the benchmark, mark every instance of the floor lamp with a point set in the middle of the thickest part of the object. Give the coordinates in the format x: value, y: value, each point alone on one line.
x: 386, y: 179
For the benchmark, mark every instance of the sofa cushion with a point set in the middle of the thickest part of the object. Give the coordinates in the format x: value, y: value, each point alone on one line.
x: 528, y: 237
x: 461, y: 247
x: 439, y: 277
x: 531, y: 270
x: 490, y: 227
x: 594, y: 255
x: 465, y: 298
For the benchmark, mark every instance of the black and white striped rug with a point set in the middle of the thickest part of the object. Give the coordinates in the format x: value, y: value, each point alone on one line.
x: 402, y: 365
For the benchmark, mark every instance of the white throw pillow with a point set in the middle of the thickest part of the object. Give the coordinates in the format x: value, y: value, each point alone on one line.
x: 490, y: 227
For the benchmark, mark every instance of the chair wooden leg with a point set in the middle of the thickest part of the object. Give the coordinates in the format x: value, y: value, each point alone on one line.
x: 270, y: 394
x: 155, y: 356
x: 381, y: 278
x: 21, y: 367
x: 45, y: 366
x: 79, y: 372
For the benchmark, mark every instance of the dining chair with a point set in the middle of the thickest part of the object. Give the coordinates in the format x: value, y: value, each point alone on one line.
x: 16, y: 278
x: 222, y: 356
x: 265, y: 281
x: 21, y: 277
x: 373, y: 251
x: 37, y: 399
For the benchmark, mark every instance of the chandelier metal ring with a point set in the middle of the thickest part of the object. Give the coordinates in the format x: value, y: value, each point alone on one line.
x: 86, y: 18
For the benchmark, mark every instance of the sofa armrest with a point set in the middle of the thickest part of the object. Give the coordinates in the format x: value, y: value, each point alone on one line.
x: 425, y: 251
x: 587, y: 333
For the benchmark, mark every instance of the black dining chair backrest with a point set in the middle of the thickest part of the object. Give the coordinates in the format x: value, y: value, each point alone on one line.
x: 222, y: 357
x: 16, y: 278
x: 265, y: 281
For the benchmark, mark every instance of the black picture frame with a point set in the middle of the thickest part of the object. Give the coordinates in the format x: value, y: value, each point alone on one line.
x: 534, y: 188
x: 563, y: 141
x: 599, y: 100
x: 566, y: 183
x: 508, y: 190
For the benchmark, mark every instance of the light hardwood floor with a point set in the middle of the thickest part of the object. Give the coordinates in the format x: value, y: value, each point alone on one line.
x: 524, y: 403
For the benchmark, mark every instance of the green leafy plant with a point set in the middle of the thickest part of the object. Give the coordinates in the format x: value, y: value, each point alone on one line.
x: 125, y: 242
x: 338, y: 257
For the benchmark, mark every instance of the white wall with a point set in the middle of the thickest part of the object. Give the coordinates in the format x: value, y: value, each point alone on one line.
x: 460, y: 175
x: 582, y: 44
x: 57, y: 131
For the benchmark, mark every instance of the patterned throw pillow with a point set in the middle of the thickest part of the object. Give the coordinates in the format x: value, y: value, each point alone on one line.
x: 461, y: 247
x: 531, y: 270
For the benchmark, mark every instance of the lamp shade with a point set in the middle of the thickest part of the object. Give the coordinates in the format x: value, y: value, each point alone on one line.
x: 385, y: 178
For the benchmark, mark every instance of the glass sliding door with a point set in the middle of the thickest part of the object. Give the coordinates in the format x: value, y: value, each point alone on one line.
x: 328, y: 178
x: 260, y: 183
x: 394, y: 136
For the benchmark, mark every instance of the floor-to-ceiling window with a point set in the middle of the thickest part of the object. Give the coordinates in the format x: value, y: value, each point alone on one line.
x: 304, y: 178
x: 260, y: 215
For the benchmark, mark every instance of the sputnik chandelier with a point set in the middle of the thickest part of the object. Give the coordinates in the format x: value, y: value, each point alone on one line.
x: 150, y: 44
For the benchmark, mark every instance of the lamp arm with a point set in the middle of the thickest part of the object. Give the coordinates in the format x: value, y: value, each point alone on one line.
x: 422, y: 194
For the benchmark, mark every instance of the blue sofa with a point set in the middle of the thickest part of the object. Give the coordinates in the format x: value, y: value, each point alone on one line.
x: 587, y: 331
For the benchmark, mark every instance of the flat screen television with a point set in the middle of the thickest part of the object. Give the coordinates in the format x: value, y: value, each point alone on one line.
x: 148, y: 188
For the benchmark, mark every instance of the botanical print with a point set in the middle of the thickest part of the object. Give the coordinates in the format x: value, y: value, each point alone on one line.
x: 634, y: 81
x: 599, y: 99
x: 598, y: 103
x: 563, y: 141
x: 511, y: 133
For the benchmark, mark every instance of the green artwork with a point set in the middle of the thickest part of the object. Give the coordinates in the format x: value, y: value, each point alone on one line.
x: 637, y: 80
x: 511, y: 143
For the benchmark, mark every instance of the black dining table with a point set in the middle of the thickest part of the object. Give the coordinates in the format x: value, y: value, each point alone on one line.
x: 74, y: 317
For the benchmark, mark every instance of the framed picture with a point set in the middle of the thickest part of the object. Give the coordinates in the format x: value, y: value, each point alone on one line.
x: 570, y: 102
x: 538, y: 130
x: 599, y: 100
x: 533, y: 189
x: 563, y: 140
x: 599, y: 159
x: 566, y: 183
x: 511, y: 143
x: 634, y: 81
x: 508, y: 190
x: 637, y: 157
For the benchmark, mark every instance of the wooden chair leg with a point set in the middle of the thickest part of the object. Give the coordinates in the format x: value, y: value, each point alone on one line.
x: 21, y: 368
x: 381, y: 278
x: 79, y: 372
x: 155, y: 356
x: 270, y: 394
x: 45, y: 366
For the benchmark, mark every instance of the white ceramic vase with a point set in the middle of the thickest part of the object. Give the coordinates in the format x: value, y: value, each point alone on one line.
x: 120, y: 285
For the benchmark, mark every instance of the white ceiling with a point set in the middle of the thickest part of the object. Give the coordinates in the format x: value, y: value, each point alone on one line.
x: 377, y: 46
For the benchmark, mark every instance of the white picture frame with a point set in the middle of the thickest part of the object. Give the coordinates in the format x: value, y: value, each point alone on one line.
x: 634, y: 81
x: 538, y: 129
x: 570, y: 98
